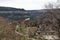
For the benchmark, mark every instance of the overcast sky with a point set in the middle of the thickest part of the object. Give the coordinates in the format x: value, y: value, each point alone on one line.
x: 26, y: 4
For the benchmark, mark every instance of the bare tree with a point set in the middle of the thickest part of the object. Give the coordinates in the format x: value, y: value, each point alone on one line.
x: 49, y: 6
x: 53, y: 5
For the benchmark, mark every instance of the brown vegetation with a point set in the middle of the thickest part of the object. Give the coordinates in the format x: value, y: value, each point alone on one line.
x: 48, y: 20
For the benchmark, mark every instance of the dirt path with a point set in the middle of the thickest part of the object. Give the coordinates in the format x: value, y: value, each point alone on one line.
x: 19, y: 33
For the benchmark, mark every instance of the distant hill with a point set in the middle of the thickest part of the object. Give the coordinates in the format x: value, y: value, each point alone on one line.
x: 10, y: 9
x: 13, y: 13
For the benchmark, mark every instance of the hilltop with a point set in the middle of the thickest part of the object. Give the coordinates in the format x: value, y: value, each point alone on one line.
x: 10, y: 9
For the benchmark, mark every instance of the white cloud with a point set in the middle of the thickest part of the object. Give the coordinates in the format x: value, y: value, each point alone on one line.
x: 26, y: 4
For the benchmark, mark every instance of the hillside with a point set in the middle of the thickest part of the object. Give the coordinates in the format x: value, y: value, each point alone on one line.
x: 47, y: 20
x: 44, y: 23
